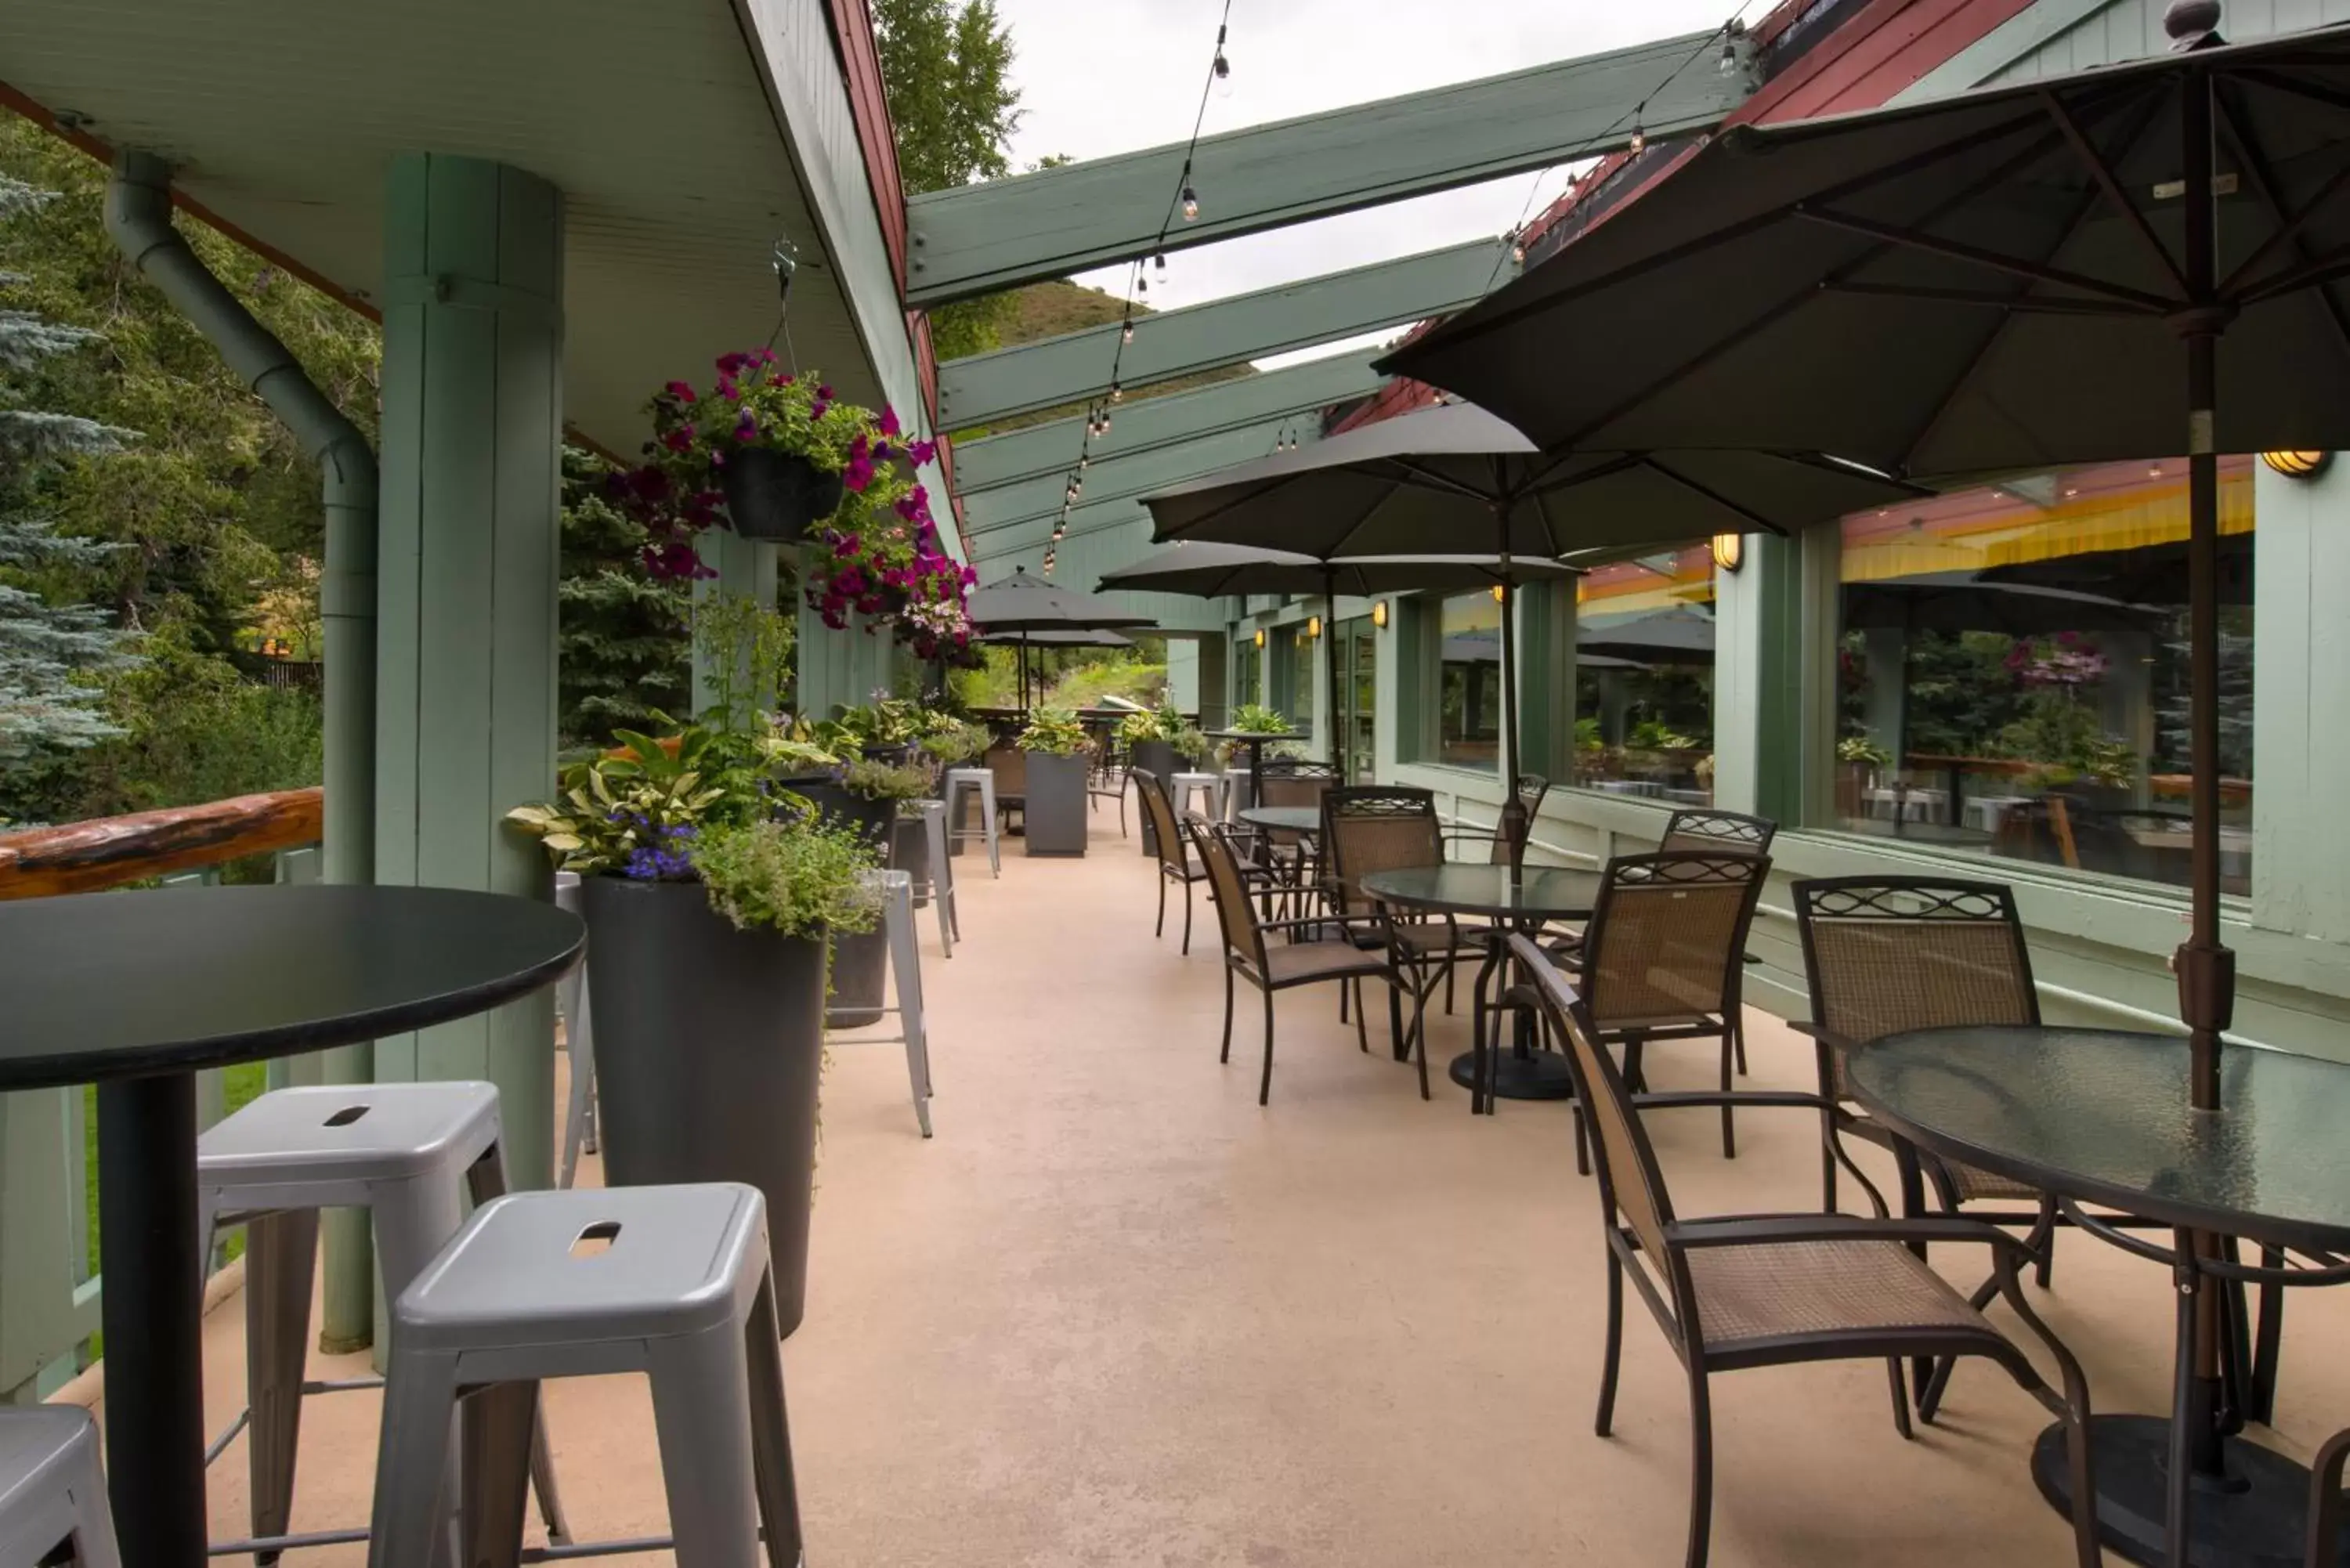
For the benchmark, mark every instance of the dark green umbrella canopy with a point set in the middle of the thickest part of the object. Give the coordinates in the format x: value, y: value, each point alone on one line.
x: 1211, y: 571
x: 1965, y: 601
x: 1996, y: 281
x: 1432, y: 481
x: 1058, y: 640
x: 1024, y: 603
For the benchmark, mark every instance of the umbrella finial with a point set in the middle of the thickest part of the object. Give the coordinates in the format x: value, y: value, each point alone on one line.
x: 2192, y: 23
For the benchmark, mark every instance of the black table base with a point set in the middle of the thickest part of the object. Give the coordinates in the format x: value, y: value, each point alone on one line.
x: 2258, y: 1518
x: 1538, y: 1075
x: 153, y: 1311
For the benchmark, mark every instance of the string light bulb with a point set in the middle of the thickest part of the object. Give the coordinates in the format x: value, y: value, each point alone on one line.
x: 1223, y: 74
x: 1116, y: 394
x: 1159, y: 260
x: 1126, y: 333
x: 1640, y: 143
x: 1191, y: 205
x: 1084, y: 458
x: 1518, y: 247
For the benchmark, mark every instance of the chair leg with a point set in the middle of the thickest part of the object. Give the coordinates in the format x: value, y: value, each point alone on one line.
x: 1827, y: 1163
x: 1612, y: 1354
x: 1161, y: 929
x: 1362, y: 1029
x: 281, y: 1254
x: 1226, y: 1053
x: 1342, y: 989
x: 2325, y: 1501
x: 1186, y: 919
x: 1728, y: 1132
x: 1582, y: 1143
x: 1700, y: 1470
x: 1900, y: 1395
x: 1265, y: 1084
x: 2041, y: 1239
x: 2267, y: 1342
x: 1419, y: 1034
x: 1738, y: 1037
x: 1449, y: 970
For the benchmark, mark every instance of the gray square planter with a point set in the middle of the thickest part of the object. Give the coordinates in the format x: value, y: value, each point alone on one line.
x: 1056, y: 810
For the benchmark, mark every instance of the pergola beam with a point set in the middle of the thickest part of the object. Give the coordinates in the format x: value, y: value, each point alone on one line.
x: 1147, y: 424
x: 1038, y: 501
x: 1075, y: 367
x: 978, y: 239
x: 1107, y: 517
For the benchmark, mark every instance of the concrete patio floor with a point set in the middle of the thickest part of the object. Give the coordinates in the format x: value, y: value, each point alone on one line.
x: 1115, y: 1314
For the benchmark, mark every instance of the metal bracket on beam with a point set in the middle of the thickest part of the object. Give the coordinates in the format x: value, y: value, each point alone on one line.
x: 976, y: 239
x: 1147, y: 424
x: 1075, y: 367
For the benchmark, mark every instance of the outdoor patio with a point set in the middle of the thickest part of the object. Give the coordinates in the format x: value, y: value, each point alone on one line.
x: 1115, y: 1314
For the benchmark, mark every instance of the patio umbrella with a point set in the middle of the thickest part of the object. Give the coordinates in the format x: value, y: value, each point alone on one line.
x: 2003, y: 280
x: 1962, y: 601
x: 1018, y: 607
x: 1680, y: 634
x: 1441, y: 478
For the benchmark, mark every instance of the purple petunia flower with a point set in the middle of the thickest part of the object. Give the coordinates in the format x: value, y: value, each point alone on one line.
x: 680, y: 389
x: 889, y: 420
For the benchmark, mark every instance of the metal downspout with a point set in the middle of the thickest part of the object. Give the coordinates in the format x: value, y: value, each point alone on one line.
x: 138, y: 221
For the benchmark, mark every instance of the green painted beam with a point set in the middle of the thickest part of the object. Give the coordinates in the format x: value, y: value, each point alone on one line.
x: 1118, y: 478
x: 1075, y: 367
x: 977, y: 239
x: 1149, y: 423
x: 1030, y: 539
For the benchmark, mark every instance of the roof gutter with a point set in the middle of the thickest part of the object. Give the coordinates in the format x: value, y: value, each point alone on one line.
x: 138, y: 221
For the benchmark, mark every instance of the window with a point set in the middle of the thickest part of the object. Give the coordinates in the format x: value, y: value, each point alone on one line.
x: 2013, y: 670
x: 1248, y: 669
x: 1299, y: 710
x: 1469, y: 689
x: 1644, y: 677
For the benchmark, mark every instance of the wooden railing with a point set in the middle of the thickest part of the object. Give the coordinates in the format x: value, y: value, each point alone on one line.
x: 87, y: 857
x: 50, y: 1308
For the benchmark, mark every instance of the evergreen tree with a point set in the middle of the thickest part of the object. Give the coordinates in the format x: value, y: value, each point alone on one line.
x: 624, y: 648
x: 47, y: 651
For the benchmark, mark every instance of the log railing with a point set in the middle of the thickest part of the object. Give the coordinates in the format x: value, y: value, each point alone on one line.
x: 87, y: 857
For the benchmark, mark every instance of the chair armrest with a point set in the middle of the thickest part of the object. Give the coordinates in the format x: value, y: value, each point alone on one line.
x: 1765, y: 1229
x: 1366, y: 920
x: 1771, y: 1100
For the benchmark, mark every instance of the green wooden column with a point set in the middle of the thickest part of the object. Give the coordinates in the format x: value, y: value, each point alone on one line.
x: 472, y: 431
x: 1762, y: 713
x: 1546, y: 678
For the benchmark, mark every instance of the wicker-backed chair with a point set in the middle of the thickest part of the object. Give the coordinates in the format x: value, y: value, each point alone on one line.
x: 1010, y: 765
x: 1106, y: 781
x: 1699, y: 830
x: 1501, y: 849
x: 1276, y: 966
x: 1768, y: 1289
x: 1368, y: 828
x: 1288, y: 781
x: 1176, y: 863
x: 1888, y: 954
x: 1664, y: 959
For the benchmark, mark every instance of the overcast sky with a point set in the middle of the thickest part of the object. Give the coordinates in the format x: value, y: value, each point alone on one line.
x: 1099, y: 76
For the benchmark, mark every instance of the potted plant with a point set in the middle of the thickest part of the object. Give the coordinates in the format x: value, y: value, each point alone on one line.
x: 1249, y: 719
x: 776, y: 456
x: 1060, y: 755
x: 873, y: 791
x: 1150, y: 748
x: 711, y: 917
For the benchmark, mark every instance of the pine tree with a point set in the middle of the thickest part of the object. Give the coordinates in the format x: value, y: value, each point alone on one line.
x: 624, y: 650
x: 45, y: 649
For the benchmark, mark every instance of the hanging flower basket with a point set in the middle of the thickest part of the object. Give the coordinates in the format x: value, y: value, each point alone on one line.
x: 777, y: 495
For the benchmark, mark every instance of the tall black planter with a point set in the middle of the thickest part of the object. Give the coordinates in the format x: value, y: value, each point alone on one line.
x: 860, y: 961
x: 1055, y: 809
x: 777, y: 495
x: 708, y: 1044
x: 1157, y: 759
x: 911, y: 853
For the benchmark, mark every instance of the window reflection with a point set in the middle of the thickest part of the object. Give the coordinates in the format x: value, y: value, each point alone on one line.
x: 1469, y: 693
x: 2013, y: 670
x: 1643, y: 676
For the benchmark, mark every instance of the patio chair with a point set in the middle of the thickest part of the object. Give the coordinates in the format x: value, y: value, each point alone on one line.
x: 2325, y: 1502
x: 1010, y: 766
x: 1283, y: 966
x: 1292, y: 783
x: 1532, y: 789
x: 1886, y: 954
x: 1664, y: 959
x: 1106, y: 781
x: 1176, y: 861
x: 1368, y: 828
x: 1744, y: 1291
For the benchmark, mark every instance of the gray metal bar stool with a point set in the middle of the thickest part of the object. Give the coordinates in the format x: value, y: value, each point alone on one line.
x: 938, y: 887
x: 983, y: 780
x: 412, y: 1153
x: 578, y: 1043
x: 906, y: 972
x: 53, y: 1491
x: 669, y: 1281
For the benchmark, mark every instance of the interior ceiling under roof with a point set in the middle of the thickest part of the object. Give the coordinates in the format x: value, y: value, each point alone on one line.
x: 653, y: 118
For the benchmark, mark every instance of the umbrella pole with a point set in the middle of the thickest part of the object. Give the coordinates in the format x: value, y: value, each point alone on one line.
x: 2207, y: 970
x: 1513, y: 824
x: 1330, y: 654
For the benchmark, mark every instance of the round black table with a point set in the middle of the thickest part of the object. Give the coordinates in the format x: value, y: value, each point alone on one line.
x: 2102, y: 1116
x: 1523, y: 898
x: 1255, y: 740
x: 136, y: 991
x: 1284, y: 818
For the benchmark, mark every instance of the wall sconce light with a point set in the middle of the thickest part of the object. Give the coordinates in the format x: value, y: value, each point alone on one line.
x: 2298, y: 464
x: 1312, y: 627
x: 1259, y: 636
x: 1379, y: 615
x: 1500, y: 594
x: 1730, y: 551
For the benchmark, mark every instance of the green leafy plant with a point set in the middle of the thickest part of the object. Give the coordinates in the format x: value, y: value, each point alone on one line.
x: 635, y: 813
x: 795, y: 873
x: 958, y: 743
x: 885, y: 780
x: 1862, y: 748
x: 1588, y: 737
x: 1656, y: 735
x: 746, y: 646
x: 1255, y: 719
x: 886, y: 720
x: 1141, y: 726
x: 1055, y: 733
x: 1189, y: 742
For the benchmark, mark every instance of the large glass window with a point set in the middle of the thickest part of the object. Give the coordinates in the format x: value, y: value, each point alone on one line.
x: 1644, y: 677
x: 1299, y: 704
x: 1469, y: 689
x: 2013, y: 670
x: 1248, y: 669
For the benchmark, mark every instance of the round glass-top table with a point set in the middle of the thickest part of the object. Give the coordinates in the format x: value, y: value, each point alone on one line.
x: 2102, y: 1116
x: 1510, y: 896
x: 1284, y: 818
x: 136, y: 991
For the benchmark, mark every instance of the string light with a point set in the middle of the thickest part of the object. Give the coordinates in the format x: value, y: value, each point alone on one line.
x: 1159, y: 260
x: 1190, y: 207
x: 1126, y: 333
x: 1639, y: 143
x: 1117, y: 393
x: 1518, y: 246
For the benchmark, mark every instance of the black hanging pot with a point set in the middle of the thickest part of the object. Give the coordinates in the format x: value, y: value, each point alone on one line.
x: 777, y: 495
